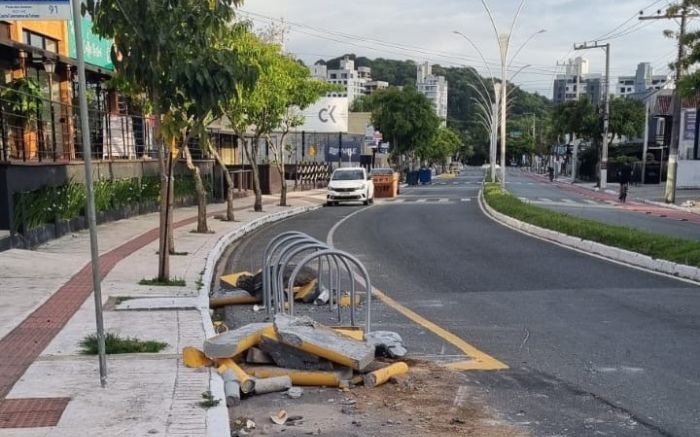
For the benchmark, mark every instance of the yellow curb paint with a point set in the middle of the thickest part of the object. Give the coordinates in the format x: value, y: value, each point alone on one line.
x: 299, y: 377
x: 195, y: 358
x: 354, y: 333
x: 479, y: 360
x: 246, y: 382
x: 232, y: 279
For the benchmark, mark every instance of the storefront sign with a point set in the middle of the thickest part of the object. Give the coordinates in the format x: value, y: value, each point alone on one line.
x: 350, y: 151
x: 35, y: 10
x: 689, y: 129
x: 98, y: 51
x: 328, y: 115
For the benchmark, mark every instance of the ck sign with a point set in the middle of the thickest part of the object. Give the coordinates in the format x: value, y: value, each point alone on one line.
x: 328, y: 115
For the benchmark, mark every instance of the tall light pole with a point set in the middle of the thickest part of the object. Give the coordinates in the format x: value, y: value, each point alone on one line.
x: 492, y: 103
x: 504, y: 46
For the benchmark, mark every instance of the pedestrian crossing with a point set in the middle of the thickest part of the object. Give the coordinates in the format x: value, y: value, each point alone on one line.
x: 423, y: 201
x: 577, y: 202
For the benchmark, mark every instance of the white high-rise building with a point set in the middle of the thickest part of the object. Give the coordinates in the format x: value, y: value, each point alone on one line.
x: 578, y: 82
x: 434, y: 88
x: 642, y: 83
x: 357, y: 82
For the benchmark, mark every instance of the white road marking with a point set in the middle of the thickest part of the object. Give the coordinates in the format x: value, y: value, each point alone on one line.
x: 466, y: 200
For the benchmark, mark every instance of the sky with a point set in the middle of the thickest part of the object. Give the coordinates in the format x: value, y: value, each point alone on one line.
x: 422, y: 31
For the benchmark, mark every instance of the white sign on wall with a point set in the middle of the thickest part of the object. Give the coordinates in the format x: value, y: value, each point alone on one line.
x: 328, y: 115
x: 35, y: 10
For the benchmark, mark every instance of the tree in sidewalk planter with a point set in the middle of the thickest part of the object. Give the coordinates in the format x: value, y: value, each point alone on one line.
x: 283, y: 87
x: 159, y: 49
x: 287, y: 88
x: 406, y: 118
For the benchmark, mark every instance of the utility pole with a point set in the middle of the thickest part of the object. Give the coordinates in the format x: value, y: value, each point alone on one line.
x: 672, y: 172
x: 606, y: 111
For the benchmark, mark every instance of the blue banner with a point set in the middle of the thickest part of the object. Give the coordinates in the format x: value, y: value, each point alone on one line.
x: 350, y: 151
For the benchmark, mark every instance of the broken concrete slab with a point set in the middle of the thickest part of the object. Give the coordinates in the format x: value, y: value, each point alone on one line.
x: 257, y: 356
x: 388, y: 343
x: 234, y: 342
x: 290, y: 357
x: 232, y: 297
x: 305, y: 334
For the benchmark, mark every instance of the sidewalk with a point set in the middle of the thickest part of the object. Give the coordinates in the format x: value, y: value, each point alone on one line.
x: 48, y: 388
x: 649, y: 197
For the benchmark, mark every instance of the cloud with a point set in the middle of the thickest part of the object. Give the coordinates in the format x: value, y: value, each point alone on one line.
x: 420, y: 30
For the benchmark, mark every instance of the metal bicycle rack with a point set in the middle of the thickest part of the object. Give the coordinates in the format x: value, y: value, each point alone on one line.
x: 331, y: 263
x: 345, y: 257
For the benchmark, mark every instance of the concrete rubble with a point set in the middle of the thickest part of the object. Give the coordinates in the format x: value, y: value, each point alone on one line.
x: 261, y: 358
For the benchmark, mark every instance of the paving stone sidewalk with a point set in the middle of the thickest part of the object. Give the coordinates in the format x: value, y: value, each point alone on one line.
x: 48, y: 388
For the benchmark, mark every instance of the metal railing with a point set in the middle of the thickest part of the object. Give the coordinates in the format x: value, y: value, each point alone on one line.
x: 52, y: 133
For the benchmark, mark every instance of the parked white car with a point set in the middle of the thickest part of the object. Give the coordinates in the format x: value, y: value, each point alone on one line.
x: 350, y: 185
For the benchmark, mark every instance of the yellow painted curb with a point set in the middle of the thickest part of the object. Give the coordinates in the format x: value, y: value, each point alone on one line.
x: 195, y: 358
x: 355, y: 333
x: 233, y: 300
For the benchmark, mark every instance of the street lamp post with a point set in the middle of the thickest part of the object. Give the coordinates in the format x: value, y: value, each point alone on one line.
x: 503, y: 40
x: 50, y: 68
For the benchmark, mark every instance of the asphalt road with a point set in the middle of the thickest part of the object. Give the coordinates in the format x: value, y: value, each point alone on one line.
x: 594, y: 348
x: 552, y: 197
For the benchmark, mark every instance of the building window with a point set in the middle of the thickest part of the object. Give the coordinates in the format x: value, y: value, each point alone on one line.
x: 344, y: 76
x: 334, y: 76
x: 622, y: 90
x: 39, y: 41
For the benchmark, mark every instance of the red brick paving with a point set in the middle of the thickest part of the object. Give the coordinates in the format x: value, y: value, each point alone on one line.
x: 26, y: 342
x: 31, y: 412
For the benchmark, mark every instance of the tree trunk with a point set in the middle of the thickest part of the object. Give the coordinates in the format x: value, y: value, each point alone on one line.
x: 252, y: 156
x: 229, y: 182
x: 163, y: 164
x: 283, y: 192
x: 201, y: 194
x: 279, y: 158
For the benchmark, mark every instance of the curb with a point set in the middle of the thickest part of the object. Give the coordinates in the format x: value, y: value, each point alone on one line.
x: 217, y: 417
x: 667, y: 205
x: 592, y: 248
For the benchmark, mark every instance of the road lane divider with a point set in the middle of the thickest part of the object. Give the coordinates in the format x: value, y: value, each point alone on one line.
x: 478, y: 360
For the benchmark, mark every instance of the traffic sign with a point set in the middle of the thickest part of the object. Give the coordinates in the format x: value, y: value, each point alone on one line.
x: 35, y: 10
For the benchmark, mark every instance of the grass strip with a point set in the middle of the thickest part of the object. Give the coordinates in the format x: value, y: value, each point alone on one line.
x: 646, y: 243
x: 119, y: 345
x: 174, y: 282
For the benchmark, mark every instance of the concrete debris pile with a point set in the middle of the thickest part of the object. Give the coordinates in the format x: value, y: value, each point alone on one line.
x: 297, y: 351
x: 245, y: 288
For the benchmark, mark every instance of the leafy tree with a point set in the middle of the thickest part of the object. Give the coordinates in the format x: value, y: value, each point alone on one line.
x: 626, y: 118
x: 284, y: 89
x: 689, y: 85
x: 406, y: 118
x: 163, y: 49
x: 443, y: 146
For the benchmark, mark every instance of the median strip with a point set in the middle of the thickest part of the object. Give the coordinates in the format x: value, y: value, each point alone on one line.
x: 656, y: 247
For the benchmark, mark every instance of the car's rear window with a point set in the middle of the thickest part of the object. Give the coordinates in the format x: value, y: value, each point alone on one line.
x: 348, y: 175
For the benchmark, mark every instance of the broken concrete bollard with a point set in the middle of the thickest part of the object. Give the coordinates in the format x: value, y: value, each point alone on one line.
x: 232, y: 389
x: 303, y: 377
x: 244, y: 380
x: 194, y: 358
x: 234, y: 342
x: 305, y: 334
x: 379, y: 377
x: 272, y: 385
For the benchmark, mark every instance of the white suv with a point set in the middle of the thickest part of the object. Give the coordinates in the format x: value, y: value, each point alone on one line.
x: 350, y: 185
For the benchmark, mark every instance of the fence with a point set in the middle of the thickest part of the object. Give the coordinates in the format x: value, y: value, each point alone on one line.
x: 50, y: 131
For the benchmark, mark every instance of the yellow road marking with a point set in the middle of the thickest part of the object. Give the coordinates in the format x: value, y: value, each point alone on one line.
x: 479, y: 361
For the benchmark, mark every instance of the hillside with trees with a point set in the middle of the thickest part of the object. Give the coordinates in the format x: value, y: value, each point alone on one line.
x: 462, y: 107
